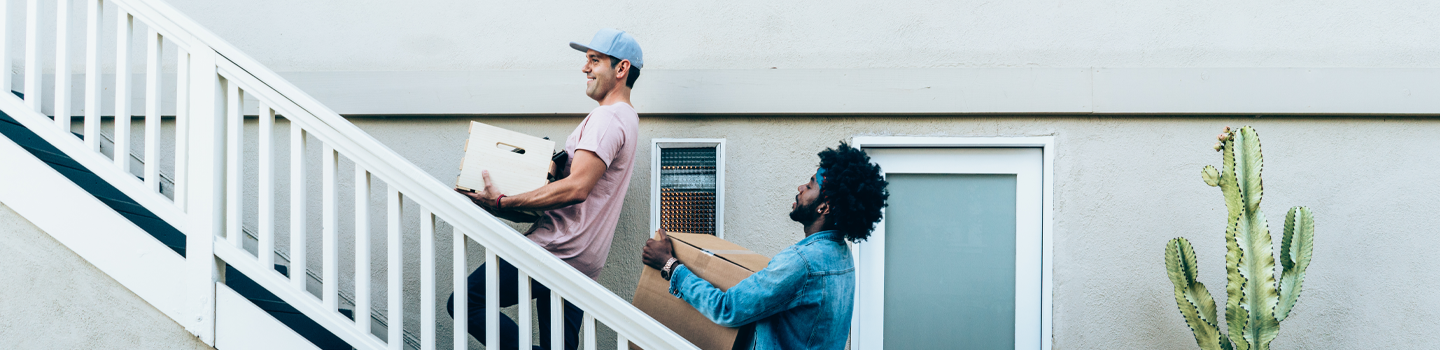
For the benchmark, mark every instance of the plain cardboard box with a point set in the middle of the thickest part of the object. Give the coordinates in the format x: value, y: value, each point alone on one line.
x: 517, y: 162
x: 722, y: 263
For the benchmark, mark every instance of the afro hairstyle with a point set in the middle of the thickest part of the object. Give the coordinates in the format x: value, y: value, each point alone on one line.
x: 854, y: 189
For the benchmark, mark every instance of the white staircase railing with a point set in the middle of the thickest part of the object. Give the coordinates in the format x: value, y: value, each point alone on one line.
x: 212, y: 81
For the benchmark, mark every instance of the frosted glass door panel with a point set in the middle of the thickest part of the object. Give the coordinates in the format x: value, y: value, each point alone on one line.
x: 950, y: 261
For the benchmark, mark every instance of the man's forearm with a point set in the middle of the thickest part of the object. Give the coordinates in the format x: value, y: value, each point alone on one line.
x: 555, y: 195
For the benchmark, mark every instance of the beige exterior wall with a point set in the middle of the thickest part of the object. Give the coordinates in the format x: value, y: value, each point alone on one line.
x: 54, y: 299
x: 1123, y: 187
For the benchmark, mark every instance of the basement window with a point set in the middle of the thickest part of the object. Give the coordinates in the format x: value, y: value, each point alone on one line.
x: 687, y: 185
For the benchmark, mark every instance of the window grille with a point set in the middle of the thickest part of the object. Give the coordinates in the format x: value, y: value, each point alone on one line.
x: 689, y: 187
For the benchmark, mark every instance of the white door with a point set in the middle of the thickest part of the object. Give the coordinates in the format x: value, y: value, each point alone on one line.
x: 957, y: 261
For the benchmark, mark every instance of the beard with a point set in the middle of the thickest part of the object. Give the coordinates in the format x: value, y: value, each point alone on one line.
x: 804, y: 214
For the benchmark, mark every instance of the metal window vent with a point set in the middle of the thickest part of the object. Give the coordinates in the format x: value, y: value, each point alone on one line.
x: 688, y: 189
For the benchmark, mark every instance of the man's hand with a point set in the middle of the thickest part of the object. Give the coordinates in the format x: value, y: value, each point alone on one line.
x: 485, y: 198
x: 658, y: 251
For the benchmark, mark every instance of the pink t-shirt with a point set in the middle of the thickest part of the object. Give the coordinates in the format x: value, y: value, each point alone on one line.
x: 581, y: 234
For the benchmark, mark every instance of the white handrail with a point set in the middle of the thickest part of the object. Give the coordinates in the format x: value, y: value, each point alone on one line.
x: 214, y: 79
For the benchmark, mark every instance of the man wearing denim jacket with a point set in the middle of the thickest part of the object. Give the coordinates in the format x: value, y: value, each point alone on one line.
x: 803, y: 299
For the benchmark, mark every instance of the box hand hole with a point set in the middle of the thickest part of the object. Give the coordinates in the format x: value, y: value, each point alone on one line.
x: 509, y: 147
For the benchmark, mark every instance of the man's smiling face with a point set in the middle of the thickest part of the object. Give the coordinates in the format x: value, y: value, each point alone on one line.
x: 599, y: 76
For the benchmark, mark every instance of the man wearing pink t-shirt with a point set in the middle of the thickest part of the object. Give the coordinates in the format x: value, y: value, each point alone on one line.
x: 582, y: 208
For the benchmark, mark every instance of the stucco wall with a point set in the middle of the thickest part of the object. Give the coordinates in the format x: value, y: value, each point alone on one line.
x: 471, y: 35
x: 53, y: 299
x: 1124, y: 186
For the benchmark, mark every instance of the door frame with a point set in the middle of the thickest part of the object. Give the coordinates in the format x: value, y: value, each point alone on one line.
x: 1046, y: 144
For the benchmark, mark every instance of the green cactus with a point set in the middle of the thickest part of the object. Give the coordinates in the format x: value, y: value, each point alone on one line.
x: 1255, y: 303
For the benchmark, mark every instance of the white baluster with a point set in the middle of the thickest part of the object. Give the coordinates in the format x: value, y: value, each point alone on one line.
x: 589, y: 324
x: 362, y: 249
x: 427, y: 279
x: 92, y: 74
x: 266, y: 232
x: 492, y: 299
x: 182, y: 117
x: 557, y: 320
x: 152, y: 110
x: 620, y: 342
x: 234, y: 160
x: 396, y: 310
x: 6, y: 80
x: 125, y: 26
x: 461, y: 293
x: 62, y: 65
x: 523, y: 293
x: 32, y: 55
x: 297, y: 205
x: 329, y: 239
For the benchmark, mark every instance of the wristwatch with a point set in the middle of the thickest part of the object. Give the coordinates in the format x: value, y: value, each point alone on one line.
x: 665, y: 271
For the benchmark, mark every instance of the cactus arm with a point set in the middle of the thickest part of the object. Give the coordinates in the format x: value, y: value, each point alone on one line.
x: 1235, y: 316
x: 1210, y: 175
x: 1194, y: 301
x: 1296, y: 247
x: 1252, y: 236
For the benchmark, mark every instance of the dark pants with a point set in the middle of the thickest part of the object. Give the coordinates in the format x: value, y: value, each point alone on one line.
x: 509, y: 295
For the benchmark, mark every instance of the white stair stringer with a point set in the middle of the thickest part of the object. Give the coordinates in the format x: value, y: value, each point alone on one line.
x: 239, y: 324
x: 92, y: 229
x: 126, y: 253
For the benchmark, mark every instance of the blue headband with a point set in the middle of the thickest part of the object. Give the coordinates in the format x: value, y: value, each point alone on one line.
x: 819, y: 178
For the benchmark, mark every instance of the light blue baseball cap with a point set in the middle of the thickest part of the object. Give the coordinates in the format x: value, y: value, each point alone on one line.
x: 614, y: 43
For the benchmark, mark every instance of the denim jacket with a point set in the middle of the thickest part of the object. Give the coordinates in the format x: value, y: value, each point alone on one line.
x: 802, y: 300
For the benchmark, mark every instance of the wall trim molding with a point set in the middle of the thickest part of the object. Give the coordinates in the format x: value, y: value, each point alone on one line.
x: 1102, y: 91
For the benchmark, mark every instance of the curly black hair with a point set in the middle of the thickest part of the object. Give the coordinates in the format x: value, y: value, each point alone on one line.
x: 854, y: 189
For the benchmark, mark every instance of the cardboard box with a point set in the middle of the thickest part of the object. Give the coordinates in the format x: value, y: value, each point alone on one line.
x: 517, y: 162
x: 722, y: 263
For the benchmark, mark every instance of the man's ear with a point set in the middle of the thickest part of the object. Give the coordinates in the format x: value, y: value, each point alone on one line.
x: 622, y: 70
x: 823, y: 208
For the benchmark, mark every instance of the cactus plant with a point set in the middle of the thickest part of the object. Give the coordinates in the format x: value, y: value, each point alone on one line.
x: 1256, y: 301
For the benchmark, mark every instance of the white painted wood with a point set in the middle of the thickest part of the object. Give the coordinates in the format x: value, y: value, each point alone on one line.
x: 96, y: 162
x: 395, y: 269
x: 239, y: 324
x: 62, y: 65
x: 492, y: 298
x: 125, y: 252
x: 329, y: 227
x: 6, y: 79
x: 182, y: 121
x: 297, y: 205
x: 427, y: 280
x: 557, y: 320
x: 490, y: 148
x: 589, y: 324
x: 125, y: 29
x: 1030, y: 159
x: 93, y: 21
x: 265, y: 234
x: 523, y: 294
x: 234, y: 163
x: 303, y: 301
x: 152, y: 109
x: 461, y: 294
x: 621, y: 343
x: 362, y: 249
x: 32, y: 55
x: 206, y: 182
x: 659, y: 143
